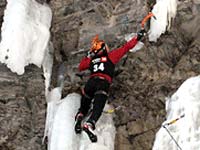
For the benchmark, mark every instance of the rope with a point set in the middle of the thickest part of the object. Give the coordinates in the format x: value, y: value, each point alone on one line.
x: 172, y: 137
x: 110, y: 111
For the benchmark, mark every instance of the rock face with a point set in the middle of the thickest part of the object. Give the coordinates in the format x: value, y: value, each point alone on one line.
x: 2, y: 6
x: 22, y: 109
x: 148, y: 76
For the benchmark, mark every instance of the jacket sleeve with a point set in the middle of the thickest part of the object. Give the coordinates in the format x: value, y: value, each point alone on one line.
x: 84, y: 64
x: 117, y: 54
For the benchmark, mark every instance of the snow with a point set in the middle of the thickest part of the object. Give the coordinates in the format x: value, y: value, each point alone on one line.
x: 165, y: 11
x: 60, y: 125
x: 25, y: 34
x: 186, y: 131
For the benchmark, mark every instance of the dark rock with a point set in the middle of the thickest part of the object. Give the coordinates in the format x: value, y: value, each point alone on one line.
x: 122, y: 142
x: 2, y: 3
x: 68, y: 10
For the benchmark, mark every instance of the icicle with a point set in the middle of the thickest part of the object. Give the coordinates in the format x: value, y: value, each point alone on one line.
x: 25, y: 34
x: 47, y: 67
x: 164, y: 10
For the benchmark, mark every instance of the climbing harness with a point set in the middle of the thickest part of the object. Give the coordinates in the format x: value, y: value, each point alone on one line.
x: 101, y: 92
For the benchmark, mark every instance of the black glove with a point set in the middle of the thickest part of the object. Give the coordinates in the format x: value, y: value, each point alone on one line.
x: 141, y: 34
x: 90, y: 54
x: 80, y: 75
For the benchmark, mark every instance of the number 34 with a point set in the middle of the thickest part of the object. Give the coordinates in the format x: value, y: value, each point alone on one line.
x: 98, y: 67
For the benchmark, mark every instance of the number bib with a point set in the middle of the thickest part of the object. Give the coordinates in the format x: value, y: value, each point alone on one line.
x: 102, y: 65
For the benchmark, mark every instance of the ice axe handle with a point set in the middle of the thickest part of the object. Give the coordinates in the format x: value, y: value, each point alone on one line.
x: 146, y: 18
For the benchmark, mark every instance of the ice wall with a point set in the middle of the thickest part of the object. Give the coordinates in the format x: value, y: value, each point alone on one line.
x: 61, y: 135
x: 186, y: 131
x: 25, y: 34
x: 60, y: 125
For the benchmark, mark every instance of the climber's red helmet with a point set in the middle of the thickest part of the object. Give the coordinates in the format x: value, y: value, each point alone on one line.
x: 98, y: 46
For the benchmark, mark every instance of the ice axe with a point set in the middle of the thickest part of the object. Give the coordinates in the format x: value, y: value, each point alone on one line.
x: 146, y: 18
x: 170, y: 123
x: 174, y: 121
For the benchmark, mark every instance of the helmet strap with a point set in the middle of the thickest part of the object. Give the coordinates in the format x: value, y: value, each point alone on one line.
x: 103, y: 49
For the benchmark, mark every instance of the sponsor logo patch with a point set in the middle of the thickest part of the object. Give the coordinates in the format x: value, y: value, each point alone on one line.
x: 103, y: 59
x: 96, y: 60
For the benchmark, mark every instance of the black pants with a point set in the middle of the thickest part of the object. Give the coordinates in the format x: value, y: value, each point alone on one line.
x: 96, y: 89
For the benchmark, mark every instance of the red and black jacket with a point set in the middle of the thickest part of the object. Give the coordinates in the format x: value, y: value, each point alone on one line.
x: 104, y: 66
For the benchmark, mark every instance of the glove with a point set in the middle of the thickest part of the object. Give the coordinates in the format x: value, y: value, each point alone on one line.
x: 90, y: 54
x: 141, y: 34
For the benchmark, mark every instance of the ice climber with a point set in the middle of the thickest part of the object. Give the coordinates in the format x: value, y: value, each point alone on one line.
x: 101, y: 63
